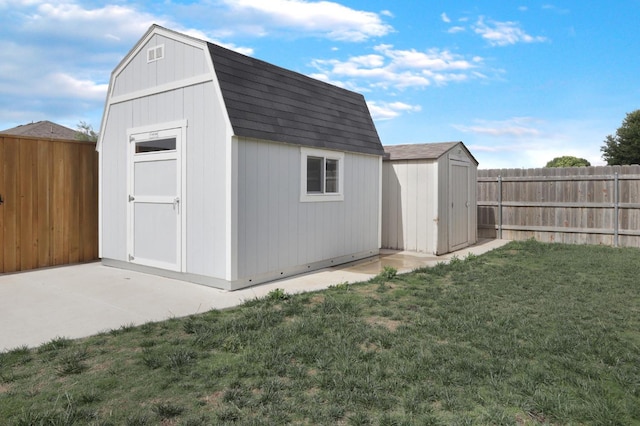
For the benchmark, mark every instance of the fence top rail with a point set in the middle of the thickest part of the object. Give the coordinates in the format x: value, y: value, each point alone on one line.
x: 18, y: 138
x: 556, y: 178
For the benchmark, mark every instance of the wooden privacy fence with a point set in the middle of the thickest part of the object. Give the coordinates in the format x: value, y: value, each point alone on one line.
x: 49, y: 214
x: 581, y: 205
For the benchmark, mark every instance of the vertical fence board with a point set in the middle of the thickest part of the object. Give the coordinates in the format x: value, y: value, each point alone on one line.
x: 11, y: 252
x: 73, y: 180
x: 50, y: 213
x: 89, y: 204
x: 58, y: 200
x: 27, y: 205
x: 3, y: 193
x: 44, y: 203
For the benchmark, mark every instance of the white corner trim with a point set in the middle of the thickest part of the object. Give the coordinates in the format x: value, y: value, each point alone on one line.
x: 380, y: 202
x: 218, y: 93
x: 100, y: 195
x: 231, y: 203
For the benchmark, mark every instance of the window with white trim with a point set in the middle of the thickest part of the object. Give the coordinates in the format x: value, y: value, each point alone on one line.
x: 322, y: 176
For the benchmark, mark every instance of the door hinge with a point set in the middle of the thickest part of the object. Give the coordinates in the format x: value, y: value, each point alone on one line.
x: 131, y: 198
x: 131, y: 257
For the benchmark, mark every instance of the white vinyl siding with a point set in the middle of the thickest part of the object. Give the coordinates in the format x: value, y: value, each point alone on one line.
x: 409, y: 209
x: 205, y: 146
x: 278, y: 232
x: 180, y: 61
x: 113, y: 191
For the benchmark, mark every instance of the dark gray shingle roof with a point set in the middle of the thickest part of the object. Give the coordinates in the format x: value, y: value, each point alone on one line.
x: 42, y: 129
x: 272, y: 103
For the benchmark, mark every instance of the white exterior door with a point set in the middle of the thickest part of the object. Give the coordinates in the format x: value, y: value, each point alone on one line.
x: 155, y: 199
x: 459, y: 207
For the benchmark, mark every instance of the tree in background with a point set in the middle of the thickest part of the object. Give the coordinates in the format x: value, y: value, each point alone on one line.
x: 624, y: 147
x: 568, y: 161
x: 85, y: 132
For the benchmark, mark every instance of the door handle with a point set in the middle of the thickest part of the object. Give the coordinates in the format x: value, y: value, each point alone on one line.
x: 176, y: 203
x: 1, y: 200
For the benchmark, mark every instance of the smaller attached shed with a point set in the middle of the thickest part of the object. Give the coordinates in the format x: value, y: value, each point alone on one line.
x: 429, y: 197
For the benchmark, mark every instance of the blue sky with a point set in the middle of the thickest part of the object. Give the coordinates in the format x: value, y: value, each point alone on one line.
x: 519, y: 82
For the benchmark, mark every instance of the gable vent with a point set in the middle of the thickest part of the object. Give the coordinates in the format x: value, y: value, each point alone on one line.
x: 155, y: 53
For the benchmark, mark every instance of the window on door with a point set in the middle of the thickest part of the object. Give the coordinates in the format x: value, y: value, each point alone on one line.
x: 156, y: 145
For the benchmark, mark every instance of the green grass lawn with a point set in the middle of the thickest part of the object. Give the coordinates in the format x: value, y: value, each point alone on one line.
x: 527, y: 334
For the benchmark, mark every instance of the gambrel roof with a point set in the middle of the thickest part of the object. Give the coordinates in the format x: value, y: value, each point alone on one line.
x: 265, y: 101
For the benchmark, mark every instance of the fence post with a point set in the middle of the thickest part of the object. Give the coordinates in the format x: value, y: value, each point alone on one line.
x: 500, y: 206
x: 616, y: 208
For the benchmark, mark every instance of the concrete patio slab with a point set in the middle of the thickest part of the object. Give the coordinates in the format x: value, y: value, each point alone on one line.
x: 82, y: 300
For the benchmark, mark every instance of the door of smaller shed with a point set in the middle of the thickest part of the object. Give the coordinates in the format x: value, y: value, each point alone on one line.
x: 459, y: 205
x: 155, y: 204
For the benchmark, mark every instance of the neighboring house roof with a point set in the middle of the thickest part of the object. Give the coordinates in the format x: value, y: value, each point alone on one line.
x: 422, y: 151
x: 267, y: 102
x: 42, y: 129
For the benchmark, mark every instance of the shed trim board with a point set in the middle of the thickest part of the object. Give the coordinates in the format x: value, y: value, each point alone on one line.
x: 241, y: 283
x: 192, y: 81
x: 242, y: 128
x: 231, y: 195
x: 380, y: 202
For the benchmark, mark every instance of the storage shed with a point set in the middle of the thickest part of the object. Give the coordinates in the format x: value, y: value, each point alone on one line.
x: 225, y: 170
x: 429, y: 197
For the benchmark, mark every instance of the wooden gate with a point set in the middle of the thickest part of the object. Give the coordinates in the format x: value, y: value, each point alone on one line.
x: 49, y: 210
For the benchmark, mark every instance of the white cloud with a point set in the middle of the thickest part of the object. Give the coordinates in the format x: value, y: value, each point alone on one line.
x: 73, y: 87
x: 68, y: 19
x: 231, y: 46
x: 398, y: 68
x: 433, y: 59
x: 456, y: 29
x: 516, y: 127
x: 503, y: 33
x: 325, y: 18
x: 445, y: 18
x: 531, y: 142
x: 389, y: 110
x: 555, y: 9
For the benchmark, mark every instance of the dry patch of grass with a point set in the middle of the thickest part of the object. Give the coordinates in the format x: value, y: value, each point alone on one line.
x: 389, y: 324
